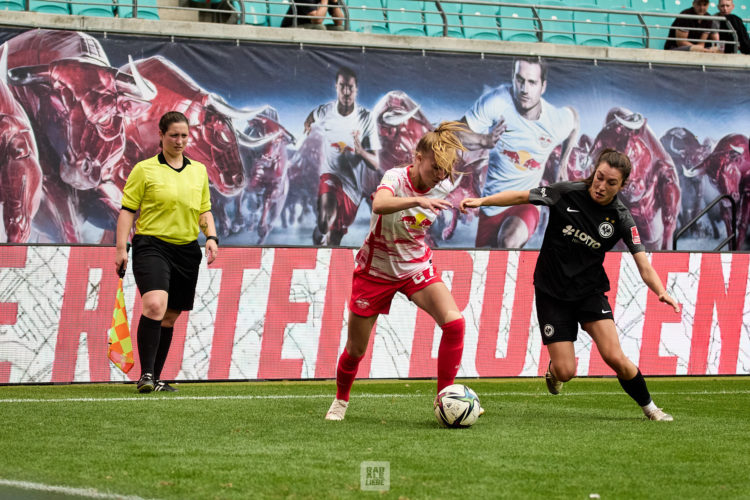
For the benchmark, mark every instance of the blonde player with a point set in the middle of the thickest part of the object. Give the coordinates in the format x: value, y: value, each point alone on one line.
x: 395, y: 258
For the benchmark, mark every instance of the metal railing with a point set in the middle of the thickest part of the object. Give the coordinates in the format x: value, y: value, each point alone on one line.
x: 448, y: 18
x: 731, y: 238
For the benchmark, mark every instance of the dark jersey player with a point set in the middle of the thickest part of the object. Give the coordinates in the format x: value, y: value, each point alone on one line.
x: 586, y: 219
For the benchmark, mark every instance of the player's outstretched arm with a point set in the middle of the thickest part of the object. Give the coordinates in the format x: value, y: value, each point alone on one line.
x: 501, y: 199
x: 386, y: 203
x: 651, y: 279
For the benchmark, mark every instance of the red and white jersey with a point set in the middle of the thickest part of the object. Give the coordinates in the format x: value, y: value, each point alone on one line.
x: 338, y: 145
x: 395, y: 248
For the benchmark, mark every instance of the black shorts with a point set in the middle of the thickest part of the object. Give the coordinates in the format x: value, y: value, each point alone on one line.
x: 559, y: 319
x: 158, y: 265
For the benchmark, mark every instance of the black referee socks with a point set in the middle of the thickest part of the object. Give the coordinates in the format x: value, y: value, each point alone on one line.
x: 636, y: 389
x: 149, y: 331
x: 165, y: 340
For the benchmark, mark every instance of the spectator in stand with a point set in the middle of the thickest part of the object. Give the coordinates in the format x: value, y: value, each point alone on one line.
x: 312, y: 13
x: 730, y: 47
x: 694, y: 34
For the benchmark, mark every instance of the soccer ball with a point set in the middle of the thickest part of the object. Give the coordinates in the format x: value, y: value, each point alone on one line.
x: 457, y: 406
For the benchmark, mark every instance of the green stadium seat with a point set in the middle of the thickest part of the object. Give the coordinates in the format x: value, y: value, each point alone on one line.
x: 366, y: 16
x: 147, y: 9
x: 557, y: 25
x: 648, y: 5
x: 403, y: 19
x: 256, y: 13
x: 591, y: 27
x: 12, y: 5
x: 658, y: 30
x: 47, y: 7
x: 517, y: 24
x: 95, y: 8
x: 480, y: 21
x: 277, y: 9
x: 678, y: 6
x: 625, y: 30
x: 434, y: 20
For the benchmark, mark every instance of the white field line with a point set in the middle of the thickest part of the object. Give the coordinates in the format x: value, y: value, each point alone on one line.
x: 141, y: 398
x: 81, y: 492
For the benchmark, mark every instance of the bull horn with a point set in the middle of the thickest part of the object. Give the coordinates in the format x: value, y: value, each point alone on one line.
x: 737, y: 149
x: 690, y: 172
x: 673, y: 147
x: 144, y: 86
x: 394, y: 119
x: 249, y: 142
x: 4, y: 64
x: 634, y: 122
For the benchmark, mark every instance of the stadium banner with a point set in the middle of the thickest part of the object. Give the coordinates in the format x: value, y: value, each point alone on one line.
x: 81, y: 109
x: 263, y: 313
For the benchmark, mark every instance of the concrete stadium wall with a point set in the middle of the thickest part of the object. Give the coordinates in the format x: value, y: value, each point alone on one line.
x: 242, y: 33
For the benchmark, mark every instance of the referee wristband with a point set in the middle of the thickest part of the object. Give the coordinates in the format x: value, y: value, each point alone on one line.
x: 213, y: 238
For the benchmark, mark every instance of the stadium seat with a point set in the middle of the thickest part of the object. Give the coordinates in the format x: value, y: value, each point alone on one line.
x: 256, y: 13
x: 480, y: 21
x: 434, y: 20
x: 403, y: 19
x: 48, y: 7
x: 12, y: 5
x: 366, y: 16
x: 625, y: 30
x: 96, y: 8
x: 557, y: 25
x: 591, y: 27
x: 678, y: 6
x: 648, y: 5
x: 658, y: 30
x: 517, y: 24
x: 146, y: 9
x: 277, y: 9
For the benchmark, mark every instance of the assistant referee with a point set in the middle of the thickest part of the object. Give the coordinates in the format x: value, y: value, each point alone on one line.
x: 172, y: 194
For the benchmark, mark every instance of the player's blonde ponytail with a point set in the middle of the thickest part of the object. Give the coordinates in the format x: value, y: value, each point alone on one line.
x: 444, y: 143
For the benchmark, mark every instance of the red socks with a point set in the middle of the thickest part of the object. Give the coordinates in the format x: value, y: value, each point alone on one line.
x: 449, y: 360
x: 449, y: 353
x: 346, y: 371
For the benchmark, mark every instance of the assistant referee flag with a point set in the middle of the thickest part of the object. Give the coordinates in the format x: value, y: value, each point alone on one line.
x: 120, y: 350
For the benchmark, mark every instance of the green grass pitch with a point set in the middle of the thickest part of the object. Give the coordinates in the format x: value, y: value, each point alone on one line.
x: 269, y: 440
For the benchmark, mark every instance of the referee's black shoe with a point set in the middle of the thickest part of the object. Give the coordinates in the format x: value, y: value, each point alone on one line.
x: 164, y: 387
x: 145, y: 383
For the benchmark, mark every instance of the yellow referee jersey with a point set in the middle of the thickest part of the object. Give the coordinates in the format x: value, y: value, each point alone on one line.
x: 170, y: 200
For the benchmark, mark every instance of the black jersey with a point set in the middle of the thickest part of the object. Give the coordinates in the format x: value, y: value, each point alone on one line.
x: 578, y: 234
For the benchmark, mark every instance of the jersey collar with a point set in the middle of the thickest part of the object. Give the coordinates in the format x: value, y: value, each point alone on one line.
x: 185, y: 162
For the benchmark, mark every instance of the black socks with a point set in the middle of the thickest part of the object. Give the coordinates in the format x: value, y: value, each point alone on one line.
x: 636, y: 389
x: 148, y: 342
x: 165, y: 340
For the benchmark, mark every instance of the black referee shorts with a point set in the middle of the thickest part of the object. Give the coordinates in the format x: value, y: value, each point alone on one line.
x: 559, y: 319
x: 158, y: 265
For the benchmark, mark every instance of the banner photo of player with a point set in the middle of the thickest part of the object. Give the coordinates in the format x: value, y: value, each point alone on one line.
x: 295, y: 139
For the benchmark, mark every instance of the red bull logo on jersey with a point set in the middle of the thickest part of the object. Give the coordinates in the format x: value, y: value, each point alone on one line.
x: 522, y: 160
x: 419, y: 222
x: 342, y: 147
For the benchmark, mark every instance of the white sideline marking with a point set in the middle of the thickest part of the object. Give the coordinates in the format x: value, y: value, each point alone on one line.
x: 329, y: 395
x: 81, y: 492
